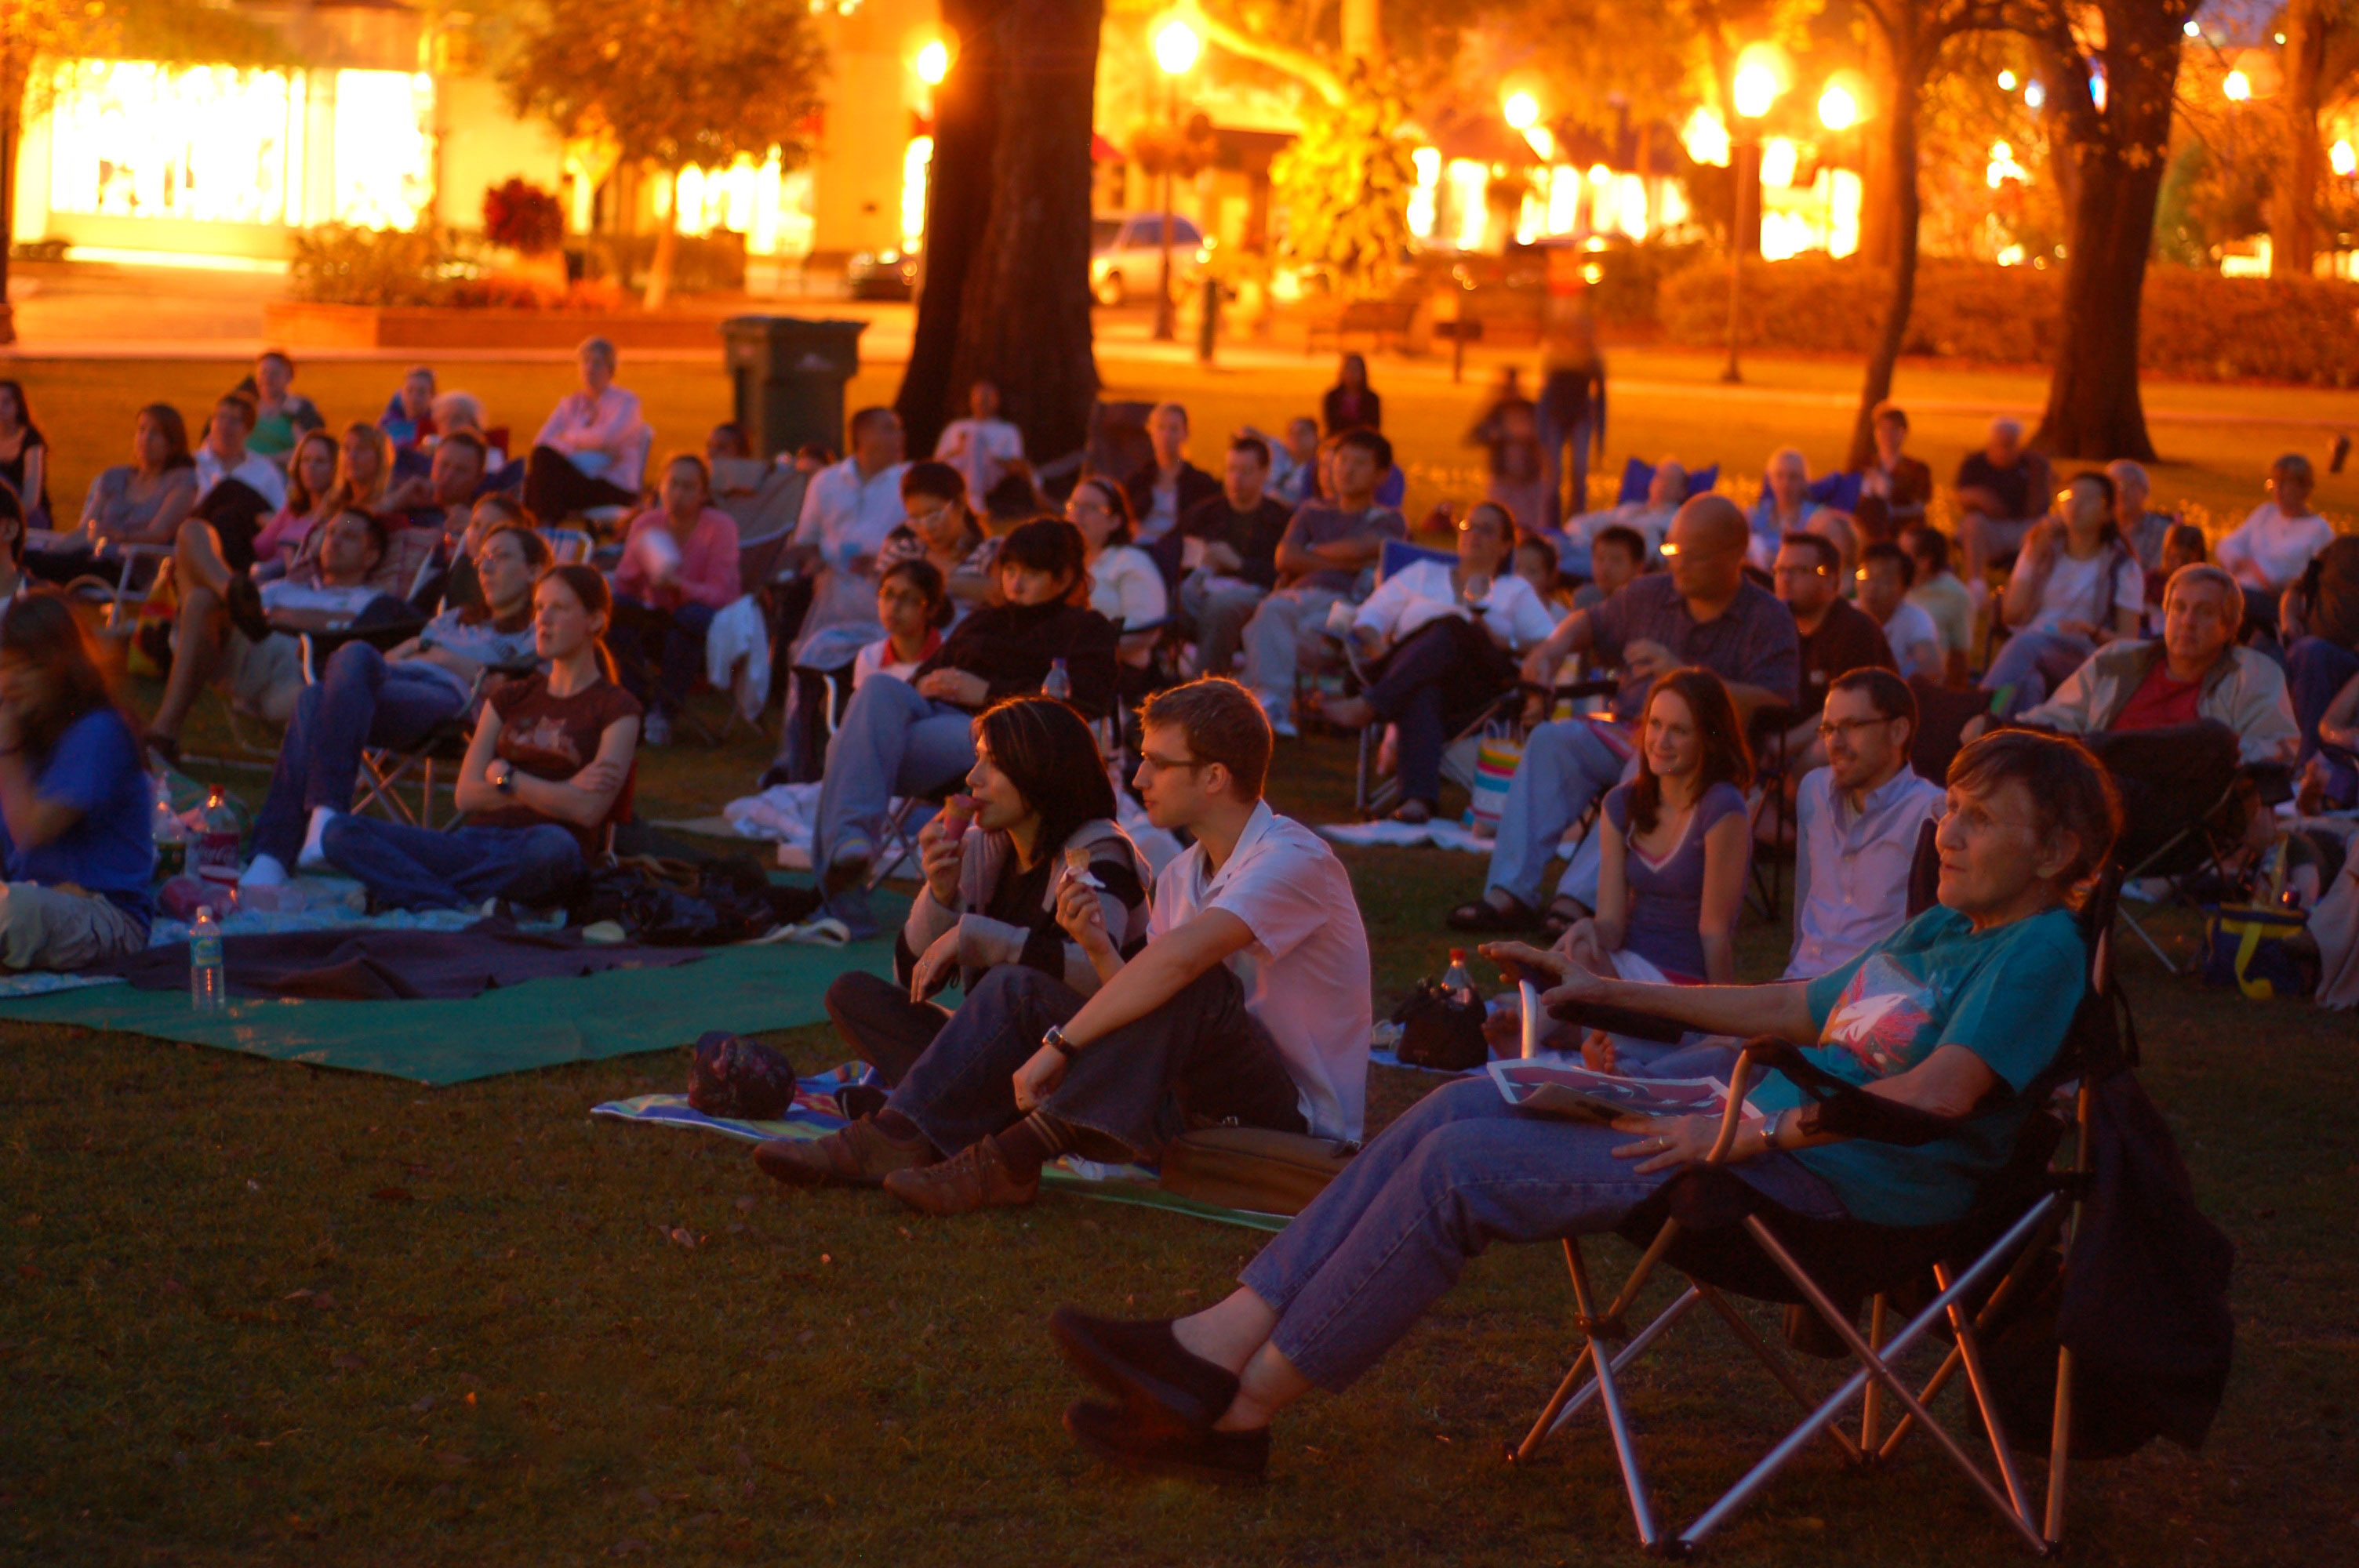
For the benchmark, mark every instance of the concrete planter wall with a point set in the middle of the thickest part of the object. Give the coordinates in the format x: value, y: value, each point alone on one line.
x: 306, y: 325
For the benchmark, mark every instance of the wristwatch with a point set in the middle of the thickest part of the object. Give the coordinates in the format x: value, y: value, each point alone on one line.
x: 1770, y: 1125
x: 1055, y: 1040
x: 506, y: 783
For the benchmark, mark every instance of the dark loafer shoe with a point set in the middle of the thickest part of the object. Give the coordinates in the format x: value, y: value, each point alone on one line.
x: 1146, y: 1368
x: 1114, y: 1433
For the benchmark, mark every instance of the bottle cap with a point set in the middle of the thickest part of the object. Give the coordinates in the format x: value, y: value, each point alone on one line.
x: 1458, y: 955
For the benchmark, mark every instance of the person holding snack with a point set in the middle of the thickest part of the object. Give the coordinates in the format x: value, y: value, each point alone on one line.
x: 994, y: 878
x: 1954, y: 1014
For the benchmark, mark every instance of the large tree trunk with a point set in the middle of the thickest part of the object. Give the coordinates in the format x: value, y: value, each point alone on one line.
x: 1900, y: 155
x: 1024, y: 322
x: 2119, y: 154
x: 957, y: 209
x: 1879, y: 195
x: 2293, y: 220
x: 10, y: 111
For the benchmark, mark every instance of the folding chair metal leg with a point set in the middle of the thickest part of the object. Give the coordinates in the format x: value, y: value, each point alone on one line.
x: 893, y: 845
x: 1560, y: 1410
x: 1609, y: 1397
x: 1970, y: 1352
x: 1876, y: 1368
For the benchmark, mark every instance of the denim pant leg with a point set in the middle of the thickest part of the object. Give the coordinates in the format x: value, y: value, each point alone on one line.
x: 883, y: 1026
x: 1220, y: 612
x: 1459, y: 1170
x: 412, y: 704
x: 1200, y: 1058
x: 1409, y: 694
x: 2033, y: 663
x: 871, y: 753
x: 962, y: 1089
x: 1275, y: 638
x: 415, y: 867
x: 1567, y: 765
x: 683, y: 654
x: 2316, y: 670
x: 278, y: 829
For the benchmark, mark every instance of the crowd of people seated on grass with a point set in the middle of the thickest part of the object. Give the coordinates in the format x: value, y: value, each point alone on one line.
x: 1005, y: 692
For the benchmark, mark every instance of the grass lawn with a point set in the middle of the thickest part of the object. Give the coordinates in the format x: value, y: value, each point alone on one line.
x: 503, y: 1357
x: 258, y: 1313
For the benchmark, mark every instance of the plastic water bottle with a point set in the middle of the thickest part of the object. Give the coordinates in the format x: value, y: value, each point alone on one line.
x: 1058, y: 685
x: 170, y: 834
x: 1457, y: 984
x: 207, y: 976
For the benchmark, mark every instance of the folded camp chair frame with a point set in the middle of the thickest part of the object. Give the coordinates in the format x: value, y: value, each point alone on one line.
x: 387, y: 771
x: 1975, y: 1275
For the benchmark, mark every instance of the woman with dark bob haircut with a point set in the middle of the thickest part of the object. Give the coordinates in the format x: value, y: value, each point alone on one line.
x: 1954, y: 1014
x: 74, y: 833
x: 994, y: 862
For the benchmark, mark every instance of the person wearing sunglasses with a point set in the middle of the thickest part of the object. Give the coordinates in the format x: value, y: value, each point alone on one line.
x: 1856, y: 822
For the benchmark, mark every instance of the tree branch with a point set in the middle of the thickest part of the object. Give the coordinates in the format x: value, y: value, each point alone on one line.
x: 1305, y: 67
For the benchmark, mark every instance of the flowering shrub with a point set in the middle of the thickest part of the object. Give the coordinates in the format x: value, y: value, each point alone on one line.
x: 523, y: 217
x: 2196, y: 324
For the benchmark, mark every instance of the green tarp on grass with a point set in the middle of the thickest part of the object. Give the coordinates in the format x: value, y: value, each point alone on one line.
x: 540, y: 1023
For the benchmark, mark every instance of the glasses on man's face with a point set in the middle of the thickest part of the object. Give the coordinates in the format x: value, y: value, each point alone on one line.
x: 1799, y: 569
x: 929, y: 516
x: 1150, y: 762
x: 1846, y: 728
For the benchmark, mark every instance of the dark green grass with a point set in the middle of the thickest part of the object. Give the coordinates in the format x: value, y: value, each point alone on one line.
x: 532, y: 1338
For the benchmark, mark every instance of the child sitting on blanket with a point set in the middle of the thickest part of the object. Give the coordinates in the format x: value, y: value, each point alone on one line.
x: 1041, y: 812
x: 75, y: 803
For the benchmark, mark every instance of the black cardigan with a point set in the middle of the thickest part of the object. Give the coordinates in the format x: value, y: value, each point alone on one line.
x: 1011, y: 646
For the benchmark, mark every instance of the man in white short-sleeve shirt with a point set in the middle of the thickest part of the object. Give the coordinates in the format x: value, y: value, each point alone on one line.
x: 1248, y: 1004
x: 983, y: 446
x: 1856, y: 824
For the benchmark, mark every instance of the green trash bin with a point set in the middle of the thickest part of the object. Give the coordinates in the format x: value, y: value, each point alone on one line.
x: 789, y: 377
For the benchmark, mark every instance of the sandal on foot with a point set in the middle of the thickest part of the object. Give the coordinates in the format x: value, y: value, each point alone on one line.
x: 1561, y: 917
x: 1486, y: 918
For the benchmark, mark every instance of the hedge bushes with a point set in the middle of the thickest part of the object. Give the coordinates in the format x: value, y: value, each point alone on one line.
x: 2196, y: 324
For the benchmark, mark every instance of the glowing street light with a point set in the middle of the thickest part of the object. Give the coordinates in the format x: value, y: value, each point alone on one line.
x: 1838, y: 109
x: 1521, y: 111
x: 2237, y: 88
x: 1756, y: 87
x: 2006, y: 82
x: 1176, y: 48
x: 2343, y: 160
x: 934, y: 63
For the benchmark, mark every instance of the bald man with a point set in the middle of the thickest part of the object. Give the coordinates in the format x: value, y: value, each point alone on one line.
x: 1701, y: 611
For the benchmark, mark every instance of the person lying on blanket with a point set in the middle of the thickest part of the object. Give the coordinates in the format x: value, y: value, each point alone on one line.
x: 74, y: 836
x: 549, y: 767
x: 1953, y: 1014
x: 997, y: 865
x: 364, y: 699
x: 1249, y: 1002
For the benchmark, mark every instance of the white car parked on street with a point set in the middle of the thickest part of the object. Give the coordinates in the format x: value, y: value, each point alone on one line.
x: 1127, y: 255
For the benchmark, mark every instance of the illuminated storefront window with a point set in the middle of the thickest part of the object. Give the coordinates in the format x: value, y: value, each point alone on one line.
x: 133, y: 139
x: 216, y: 144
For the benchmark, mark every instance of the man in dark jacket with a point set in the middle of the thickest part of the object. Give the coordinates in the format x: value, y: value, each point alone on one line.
x: 1167, y: 489
x: 1236, y: 536
x: 914, y: 737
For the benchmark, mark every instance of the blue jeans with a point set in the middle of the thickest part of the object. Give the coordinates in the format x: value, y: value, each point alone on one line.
x: 361, y: 699
x: 1460, y: 1170
x: 1200, y: 1058
x: 1565, y: 412
x: 1567, y: 765
x: 415, y: 867
x: 2035, y: 663
x: 891, y: 741
x: 2316, y: 671
x: 682, y: 659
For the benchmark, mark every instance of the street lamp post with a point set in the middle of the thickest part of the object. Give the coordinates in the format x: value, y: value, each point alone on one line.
x: 1755, y: 88
x: 1175, y: 46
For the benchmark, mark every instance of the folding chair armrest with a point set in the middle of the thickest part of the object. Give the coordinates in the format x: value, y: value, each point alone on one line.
x: 1633, y: 1021
x: 1846, y: 1109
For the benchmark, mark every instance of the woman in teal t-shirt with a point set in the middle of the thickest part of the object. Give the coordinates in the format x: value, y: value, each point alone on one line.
x: 1955, y: 1015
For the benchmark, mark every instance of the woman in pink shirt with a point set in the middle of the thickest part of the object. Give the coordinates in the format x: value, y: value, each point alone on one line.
x: 310, y: 483
x: 679, y: 568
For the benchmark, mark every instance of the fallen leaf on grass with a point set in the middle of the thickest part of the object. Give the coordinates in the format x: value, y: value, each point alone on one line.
x: 422, y: 1406
x: 394, y: 1194
x: 680, y: 1236
x: 346, y: 1361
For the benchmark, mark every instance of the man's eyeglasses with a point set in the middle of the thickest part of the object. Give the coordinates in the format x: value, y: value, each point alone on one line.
x: 1149, y: 760
x: 1831, y: 728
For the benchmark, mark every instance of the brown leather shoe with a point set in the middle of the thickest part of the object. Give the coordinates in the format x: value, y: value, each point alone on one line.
x: 976, y: 1177
x: 861, y: 1155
